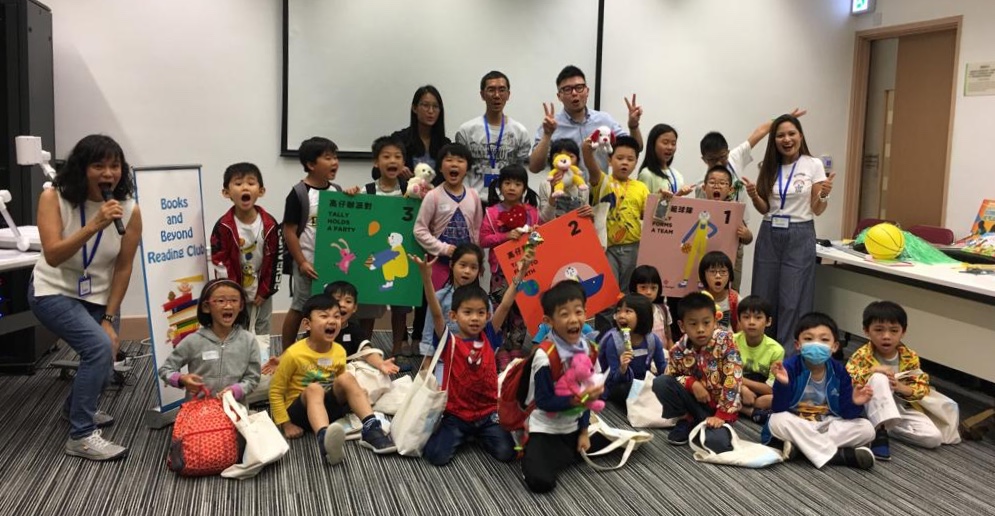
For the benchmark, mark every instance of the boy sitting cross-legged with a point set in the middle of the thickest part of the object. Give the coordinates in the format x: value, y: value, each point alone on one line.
x: 816, y: 409
x: 311, y: 386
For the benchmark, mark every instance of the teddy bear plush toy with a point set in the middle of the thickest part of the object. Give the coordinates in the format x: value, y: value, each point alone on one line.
x: 572, y: 180
x: 421, y: 183
x: 603, y: 140
x: 578, y: 378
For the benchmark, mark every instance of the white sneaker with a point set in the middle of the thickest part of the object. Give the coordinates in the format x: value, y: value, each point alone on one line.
x: 334, y: 443
x: 95, y: 447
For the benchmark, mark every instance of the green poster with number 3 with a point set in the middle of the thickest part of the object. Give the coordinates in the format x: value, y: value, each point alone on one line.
x: 365, y: 240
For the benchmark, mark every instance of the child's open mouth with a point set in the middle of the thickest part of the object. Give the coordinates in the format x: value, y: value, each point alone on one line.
x: 330, y: 332
x: 246, y: 197
x: 227, y: 317
x: 716, y: 195
x: 454, y: 174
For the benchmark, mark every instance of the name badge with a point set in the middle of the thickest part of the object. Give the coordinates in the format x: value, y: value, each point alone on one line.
x: 640, y: 352
x: 780, y: 221
x: 347, y: 338
x: 325, y: 362
x: 490, y: 175
x: 445, y: 208
x: 211, y: 355
x: 84, y: 286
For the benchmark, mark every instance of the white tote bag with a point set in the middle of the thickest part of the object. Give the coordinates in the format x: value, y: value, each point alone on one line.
x: 743, y: 454
x: 422, y: 409
x: 944, y: 413
x: 392, y: 400
x: 643, y: 408
x: 371, y: 379
x: 626, y: 440
x: 264, y: 444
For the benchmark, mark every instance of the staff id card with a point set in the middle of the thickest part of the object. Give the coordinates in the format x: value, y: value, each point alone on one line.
x: 490, y: 175
x: 85, y: 286
x: 780, y: 221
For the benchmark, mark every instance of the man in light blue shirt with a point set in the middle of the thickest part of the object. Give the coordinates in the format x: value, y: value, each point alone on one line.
x: 576, y: 121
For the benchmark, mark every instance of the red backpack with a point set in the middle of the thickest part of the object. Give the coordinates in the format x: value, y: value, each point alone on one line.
x: 513, y: 413
x: 205, y: 441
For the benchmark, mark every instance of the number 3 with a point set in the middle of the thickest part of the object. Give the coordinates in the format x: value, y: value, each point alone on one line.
x: 409, y: 214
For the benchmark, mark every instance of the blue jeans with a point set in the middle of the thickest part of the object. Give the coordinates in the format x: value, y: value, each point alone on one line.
x: 78, y: 323
x: 453, y: 431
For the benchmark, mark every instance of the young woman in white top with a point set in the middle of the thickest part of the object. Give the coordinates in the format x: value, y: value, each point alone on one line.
x: 791, y: 190
x: 82, y: 276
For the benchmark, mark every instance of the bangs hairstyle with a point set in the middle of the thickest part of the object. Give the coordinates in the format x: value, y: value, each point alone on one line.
x: 814, y: 320
x: 754, y: 305
x: 459, y: 252
x: 454, y: 149
x: 467, y: 293
x: 626, y: 141
x: 647, y: 274
x: 242, y: 170
x: 494, y: 74
x: 693, y: 302
x: 205, y: 319
x: 383, y: 142
x: 569, y: 72
x: 438, y: 130
x: 885, y: 312
x: 560, y: 294
x: 319, y: 302
x: 313, y: 148
x: 716, y: 259
x: 651, y: 161
x: 643, y: 309
x: 713, y: 143
x: 720, y: 169
x: 772, y: 158
x: 563, y: 145
x: 512, y: 173
x: 71, y: 181
x: 341, y: 288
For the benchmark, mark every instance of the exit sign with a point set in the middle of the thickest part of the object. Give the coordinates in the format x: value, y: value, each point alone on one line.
x: 861, y: 6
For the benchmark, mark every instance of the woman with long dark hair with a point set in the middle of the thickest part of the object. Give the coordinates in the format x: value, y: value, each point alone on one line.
x: 425, y: 134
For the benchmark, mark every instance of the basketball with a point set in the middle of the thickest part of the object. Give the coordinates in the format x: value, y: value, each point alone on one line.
x: 884, y: 241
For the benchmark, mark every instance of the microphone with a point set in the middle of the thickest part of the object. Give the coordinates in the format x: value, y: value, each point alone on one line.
x: 105, y: 192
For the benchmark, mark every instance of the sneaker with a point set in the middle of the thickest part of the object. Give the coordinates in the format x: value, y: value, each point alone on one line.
x: 95, y: 447
x: 334, y: 443
x: 880, y: 446
x: 375, y: 439
x: 760, y: 416
x: 860, y: 458
x: 679, y: 435
x: 100, y: 418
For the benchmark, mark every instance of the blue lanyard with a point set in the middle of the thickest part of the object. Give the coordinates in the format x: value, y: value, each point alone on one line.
x: 497, y: 146
x: 783, y: 190
x: 672, y: 179
x: 96, y: 244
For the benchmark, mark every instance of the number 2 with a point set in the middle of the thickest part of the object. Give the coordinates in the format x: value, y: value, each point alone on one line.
x: 574, y: 229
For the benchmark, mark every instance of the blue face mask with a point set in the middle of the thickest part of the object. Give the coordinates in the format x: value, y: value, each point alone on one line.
x: 816, y: 353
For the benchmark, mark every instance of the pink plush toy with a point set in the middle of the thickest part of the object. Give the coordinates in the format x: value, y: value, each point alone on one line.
x: 577, y: 379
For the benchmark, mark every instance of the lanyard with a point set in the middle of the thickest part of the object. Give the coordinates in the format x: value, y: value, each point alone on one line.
x: 497, y: 146
x: 672, y: 179
x: 782, y: 190
x: 96, y: 244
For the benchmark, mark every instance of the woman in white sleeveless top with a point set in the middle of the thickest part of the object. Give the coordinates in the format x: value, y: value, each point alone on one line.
x: 82, y: 276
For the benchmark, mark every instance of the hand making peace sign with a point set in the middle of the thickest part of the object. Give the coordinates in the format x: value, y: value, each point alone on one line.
x: 549, y: 120
x: 635, y: 111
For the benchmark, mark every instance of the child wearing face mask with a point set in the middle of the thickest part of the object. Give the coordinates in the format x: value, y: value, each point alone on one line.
x: 816, y: 409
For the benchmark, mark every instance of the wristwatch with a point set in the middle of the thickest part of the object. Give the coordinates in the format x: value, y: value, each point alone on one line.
x: 111, y: 318
x: 823, y: 198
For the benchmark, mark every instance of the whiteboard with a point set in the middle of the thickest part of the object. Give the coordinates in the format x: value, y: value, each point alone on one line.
x: 352, y: 66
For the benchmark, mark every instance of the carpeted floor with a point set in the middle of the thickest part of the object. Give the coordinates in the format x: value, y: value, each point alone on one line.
x: 36, y: 477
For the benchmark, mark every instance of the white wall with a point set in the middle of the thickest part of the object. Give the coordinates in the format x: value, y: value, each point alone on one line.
x: 972, y: 178
x: 728, y: 66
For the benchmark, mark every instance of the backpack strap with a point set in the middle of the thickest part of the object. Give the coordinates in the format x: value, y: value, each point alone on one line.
x: 371, y: 188
x: 301, y: 190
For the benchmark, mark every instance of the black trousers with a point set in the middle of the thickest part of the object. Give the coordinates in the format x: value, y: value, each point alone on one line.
x: 546, y: 455
x: 678, y: 401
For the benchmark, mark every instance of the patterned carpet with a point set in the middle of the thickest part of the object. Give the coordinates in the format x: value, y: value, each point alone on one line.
x: 37, y: 478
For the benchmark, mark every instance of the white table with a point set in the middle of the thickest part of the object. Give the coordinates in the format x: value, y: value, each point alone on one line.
x: 11, y: 259
x: 951, y: 314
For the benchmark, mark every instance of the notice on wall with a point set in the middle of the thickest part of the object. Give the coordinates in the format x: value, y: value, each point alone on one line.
x: 979, y: 79
x: 174, y: 259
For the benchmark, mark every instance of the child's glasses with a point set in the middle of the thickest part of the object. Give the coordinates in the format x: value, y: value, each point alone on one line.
x: 234, y: 301
x: 718, y: 272
x: 718, y: 184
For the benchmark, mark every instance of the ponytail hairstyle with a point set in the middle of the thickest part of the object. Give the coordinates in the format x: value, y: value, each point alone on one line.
x: 512, y: 173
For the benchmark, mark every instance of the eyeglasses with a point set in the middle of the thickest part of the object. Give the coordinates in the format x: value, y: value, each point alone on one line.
x: 718, y: 184
x: 718, y: 272
x: 716, y: 158
x: 225, y: 301
x: 500, y: 89
x: 428, y: 106
x: 576, y: 88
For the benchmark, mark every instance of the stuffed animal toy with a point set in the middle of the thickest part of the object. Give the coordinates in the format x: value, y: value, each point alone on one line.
x: 572, y: 180
x: 578, y: 378
x: 603, y: 140
x: 421, y: 183
x: 514, y: 218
